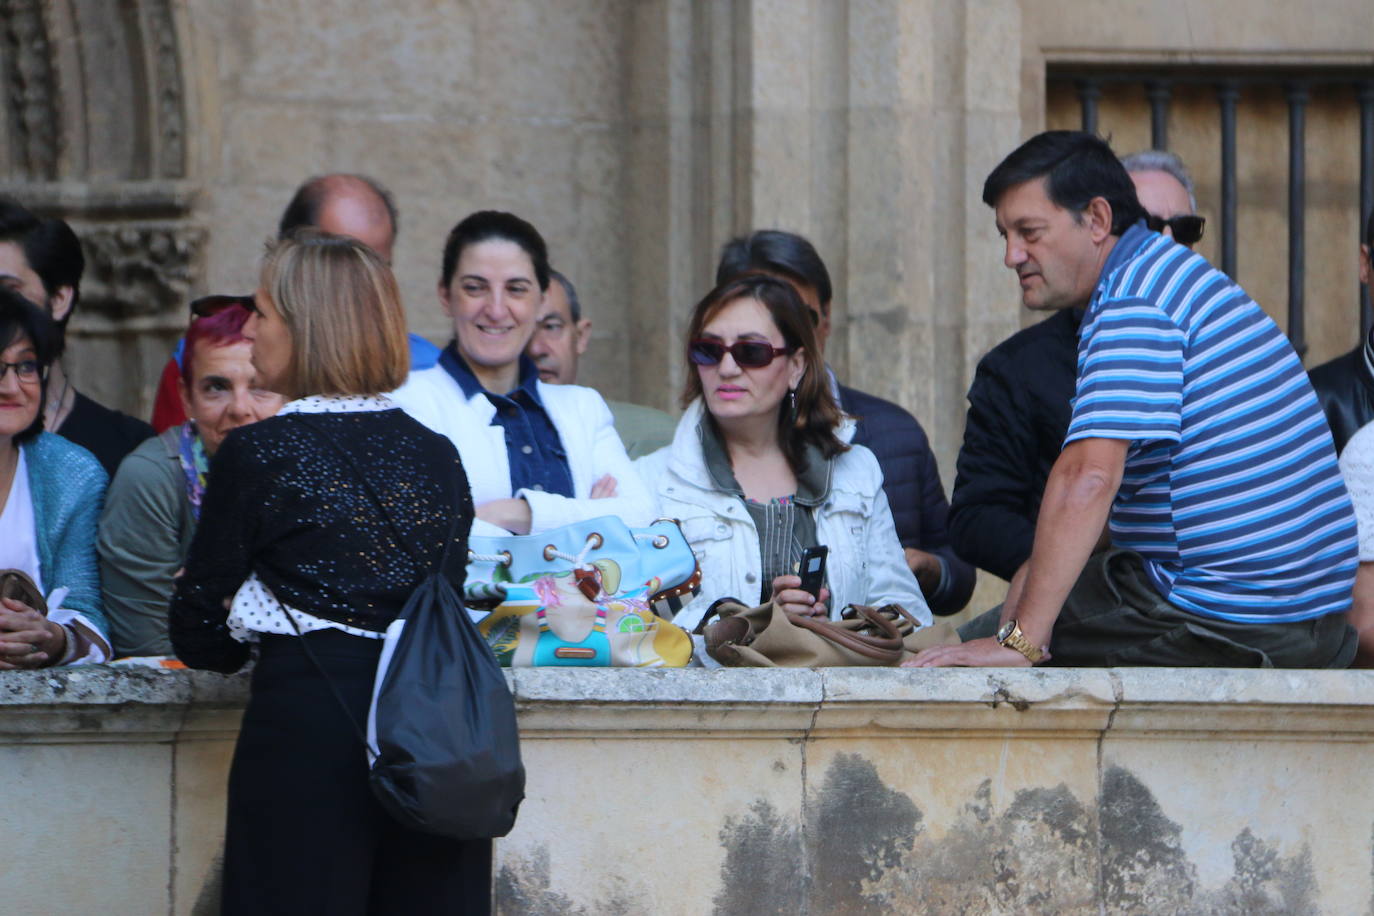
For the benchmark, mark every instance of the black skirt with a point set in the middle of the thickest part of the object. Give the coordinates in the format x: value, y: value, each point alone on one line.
x: 304, y: 833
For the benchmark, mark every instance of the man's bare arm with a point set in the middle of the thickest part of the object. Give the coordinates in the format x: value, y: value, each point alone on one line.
x: 1074, y: 511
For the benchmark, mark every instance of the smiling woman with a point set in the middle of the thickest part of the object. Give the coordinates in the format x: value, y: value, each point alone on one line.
x: 154, y: 500
x: 538, y: 455
x: 50, y: 493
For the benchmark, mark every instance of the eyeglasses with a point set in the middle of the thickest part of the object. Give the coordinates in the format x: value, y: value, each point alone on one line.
x: 748, y: 354
x: 206, y: 306
x: 26, y: 370
x: 1187, y: 230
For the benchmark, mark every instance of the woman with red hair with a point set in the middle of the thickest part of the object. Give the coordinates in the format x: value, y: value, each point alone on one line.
x: 153, y: 502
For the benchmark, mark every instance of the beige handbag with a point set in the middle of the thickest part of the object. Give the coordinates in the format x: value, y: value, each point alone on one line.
x: 17, y: 585
x: 769, y: 637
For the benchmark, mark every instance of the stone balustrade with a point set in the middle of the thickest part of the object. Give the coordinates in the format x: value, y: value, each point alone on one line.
x: 807, y: 792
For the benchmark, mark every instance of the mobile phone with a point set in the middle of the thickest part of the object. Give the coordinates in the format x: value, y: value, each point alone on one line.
x: 813, y: 569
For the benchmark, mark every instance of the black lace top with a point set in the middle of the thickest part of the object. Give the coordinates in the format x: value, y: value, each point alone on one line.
x: 285, y: 504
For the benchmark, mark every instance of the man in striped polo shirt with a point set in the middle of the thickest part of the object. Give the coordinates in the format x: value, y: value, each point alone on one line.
x: 1196, y: 515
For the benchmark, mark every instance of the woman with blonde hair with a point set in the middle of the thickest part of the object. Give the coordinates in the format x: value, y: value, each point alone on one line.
x: 316, y: 526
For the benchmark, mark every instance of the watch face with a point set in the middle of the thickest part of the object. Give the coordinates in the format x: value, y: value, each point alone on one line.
x: 1005, y: 631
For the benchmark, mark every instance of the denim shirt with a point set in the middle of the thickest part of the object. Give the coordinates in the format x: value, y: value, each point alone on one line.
x: 535, y: 452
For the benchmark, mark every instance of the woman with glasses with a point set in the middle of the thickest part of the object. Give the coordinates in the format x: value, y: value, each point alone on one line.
x: 153, y: 503
x: 538, y: 456
x: 50, y: 495
x: 758, y: 471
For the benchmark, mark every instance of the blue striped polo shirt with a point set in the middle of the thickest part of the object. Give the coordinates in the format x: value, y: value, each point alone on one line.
x: 1231, y: 491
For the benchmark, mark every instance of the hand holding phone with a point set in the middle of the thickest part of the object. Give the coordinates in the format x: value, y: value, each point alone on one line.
x: 812, y: 569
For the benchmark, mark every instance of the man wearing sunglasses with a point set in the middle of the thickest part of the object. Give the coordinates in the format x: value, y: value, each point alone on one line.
x: 1165, y: 190
x: 911, y: 478
x: 1019, y: 401
x: 1195, y: 516
x: 1345, y: 385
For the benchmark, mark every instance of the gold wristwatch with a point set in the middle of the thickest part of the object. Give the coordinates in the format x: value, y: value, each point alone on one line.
x: 1010, y: 635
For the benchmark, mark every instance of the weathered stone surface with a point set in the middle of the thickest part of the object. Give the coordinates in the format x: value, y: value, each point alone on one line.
x: 841, y: 790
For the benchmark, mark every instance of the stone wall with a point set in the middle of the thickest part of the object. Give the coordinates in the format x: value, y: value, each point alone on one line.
x: 829, y: 791
x: 639, y: 135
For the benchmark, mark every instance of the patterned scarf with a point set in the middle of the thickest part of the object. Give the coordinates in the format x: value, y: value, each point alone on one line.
x: 194, y: 464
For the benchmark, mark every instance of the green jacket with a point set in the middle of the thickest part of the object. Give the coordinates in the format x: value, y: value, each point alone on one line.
x: 145, y: 532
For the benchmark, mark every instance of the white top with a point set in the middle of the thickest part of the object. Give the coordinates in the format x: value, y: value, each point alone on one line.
x: 584, y: 426
x: 18, y: 542
x: 255, y: 610
x: 19, y: 550
x: 1357, y: 467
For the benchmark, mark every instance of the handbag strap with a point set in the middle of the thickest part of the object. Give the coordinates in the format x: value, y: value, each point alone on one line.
x: 887, y: 647
x: 333, y: 688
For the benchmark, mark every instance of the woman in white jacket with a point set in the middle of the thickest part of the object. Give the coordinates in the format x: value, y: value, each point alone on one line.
x: 759, y: 470
x: 537, y: 456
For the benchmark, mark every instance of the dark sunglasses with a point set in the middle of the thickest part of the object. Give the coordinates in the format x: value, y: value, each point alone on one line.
x: 1187, y: 229
x: 206, y: 306
x: 748, y: 354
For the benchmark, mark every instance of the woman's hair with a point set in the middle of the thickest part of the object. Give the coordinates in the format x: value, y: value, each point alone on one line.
x: 773, y: 251
x: 817, y: 414
x: 494, y: 225
x: 220, y: 329
x: 21, y: 318
x: 341, y: 304
x: 52, y: 251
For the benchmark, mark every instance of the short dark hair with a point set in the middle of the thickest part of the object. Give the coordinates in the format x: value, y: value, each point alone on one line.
x: 308, y: 202
x: 52, y: 250
x: 817, y: 417
x: 1077, y: 167
x: 774, y: 251
x: 574, y: 304
x: 1369, y: 230
x: 486, y: 225
x: 21, y: 318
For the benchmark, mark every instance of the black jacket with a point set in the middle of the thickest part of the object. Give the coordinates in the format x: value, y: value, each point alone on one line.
x: 284, y: 503
x: 1018, y: 415
x: 1345, y: 390
x: 911, y: 480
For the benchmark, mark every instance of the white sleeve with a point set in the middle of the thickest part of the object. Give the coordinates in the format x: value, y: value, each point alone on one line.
x: 633, y: 503
x: 1357, y: 467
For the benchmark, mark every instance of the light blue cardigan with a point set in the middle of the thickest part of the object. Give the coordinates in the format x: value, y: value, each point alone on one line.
x: 68, y: 488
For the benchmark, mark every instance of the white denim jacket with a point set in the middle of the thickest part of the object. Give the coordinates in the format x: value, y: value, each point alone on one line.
x: 866, y: 564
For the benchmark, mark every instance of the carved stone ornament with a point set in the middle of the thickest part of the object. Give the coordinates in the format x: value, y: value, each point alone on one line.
x: 137, y: 270
x: 32, y: 96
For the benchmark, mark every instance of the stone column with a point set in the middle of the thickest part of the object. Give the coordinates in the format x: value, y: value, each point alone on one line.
x: 867, y: 127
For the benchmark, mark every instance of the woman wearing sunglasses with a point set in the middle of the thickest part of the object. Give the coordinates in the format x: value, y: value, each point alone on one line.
x: 758, y: 471
x: 50, y: 494
x: 153, y: 504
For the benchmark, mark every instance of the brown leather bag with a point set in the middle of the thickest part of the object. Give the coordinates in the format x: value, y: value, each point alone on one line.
x: 16, y: 584
x: 768, y: 637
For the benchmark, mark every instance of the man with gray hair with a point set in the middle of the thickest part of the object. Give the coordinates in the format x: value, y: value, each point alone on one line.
x: 1019, y: 402
x: 1165, y: 190
x: 560, y: 338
